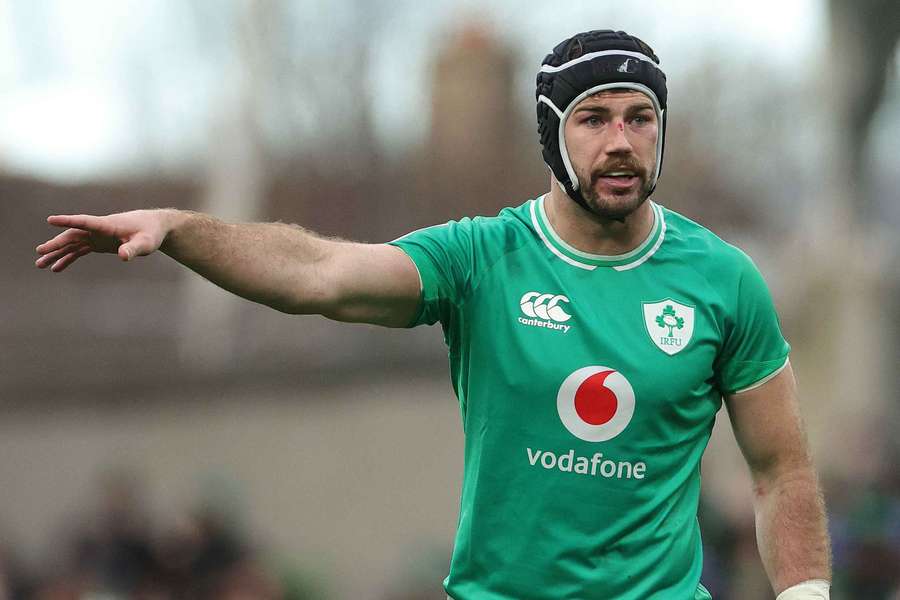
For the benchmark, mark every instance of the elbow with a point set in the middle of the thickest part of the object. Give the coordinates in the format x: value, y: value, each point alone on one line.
x: 283, y: 308
x: 280, y: 304
x: 293, y: 307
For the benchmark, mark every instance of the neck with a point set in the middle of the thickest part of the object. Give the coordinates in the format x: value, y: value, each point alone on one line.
x: 590, y: 233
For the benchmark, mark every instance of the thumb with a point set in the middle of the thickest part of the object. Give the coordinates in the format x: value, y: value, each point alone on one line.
x: 136, y: 246
x: 127, y: 251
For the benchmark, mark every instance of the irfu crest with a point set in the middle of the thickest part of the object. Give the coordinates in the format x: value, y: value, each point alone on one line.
x: 669, y: 319
x: 670, y: 324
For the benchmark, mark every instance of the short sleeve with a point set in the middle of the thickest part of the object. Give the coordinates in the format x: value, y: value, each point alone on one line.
x: 443, y: 256
x: 754, y: 349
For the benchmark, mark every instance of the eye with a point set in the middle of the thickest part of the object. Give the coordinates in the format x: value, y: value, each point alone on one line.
x: 592, y: 121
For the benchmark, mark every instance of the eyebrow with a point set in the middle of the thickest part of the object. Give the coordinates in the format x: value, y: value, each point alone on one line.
x: 603, y: 110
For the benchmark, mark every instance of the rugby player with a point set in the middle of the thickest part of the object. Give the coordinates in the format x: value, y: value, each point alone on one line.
x: 593, y: 335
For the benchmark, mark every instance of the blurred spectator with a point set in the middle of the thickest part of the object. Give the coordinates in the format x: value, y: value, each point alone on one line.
x: 13, y: 579
x: 865, y: 529
x: 117, y: 553
x: 115, y: 548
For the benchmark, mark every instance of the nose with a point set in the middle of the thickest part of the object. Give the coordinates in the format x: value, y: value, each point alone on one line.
x: 616, y: 141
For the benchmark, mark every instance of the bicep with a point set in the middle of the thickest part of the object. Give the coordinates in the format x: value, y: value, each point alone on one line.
x: 768, y: 428
x: 371, y: 283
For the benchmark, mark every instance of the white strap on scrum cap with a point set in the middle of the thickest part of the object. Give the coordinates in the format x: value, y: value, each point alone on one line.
x: 593, y: 55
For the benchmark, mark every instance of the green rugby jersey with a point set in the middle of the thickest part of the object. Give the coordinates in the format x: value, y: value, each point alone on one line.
x: 588, y: 386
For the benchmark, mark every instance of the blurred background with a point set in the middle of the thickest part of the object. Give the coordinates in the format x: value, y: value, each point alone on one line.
x: 162, y: 439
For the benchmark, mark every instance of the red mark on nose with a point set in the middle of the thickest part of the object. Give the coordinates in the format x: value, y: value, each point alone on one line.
x: 621, y: 127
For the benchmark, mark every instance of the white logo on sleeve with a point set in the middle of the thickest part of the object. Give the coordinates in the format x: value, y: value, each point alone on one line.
x: 545, y: 310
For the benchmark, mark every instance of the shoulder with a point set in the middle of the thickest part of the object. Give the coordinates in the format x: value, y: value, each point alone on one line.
x: 510, y: 227
x: 510, y: 220
x: 470, y: 245
x: 717, y: 259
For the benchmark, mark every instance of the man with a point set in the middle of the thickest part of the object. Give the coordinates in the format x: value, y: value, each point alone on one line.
x: 592, y: 336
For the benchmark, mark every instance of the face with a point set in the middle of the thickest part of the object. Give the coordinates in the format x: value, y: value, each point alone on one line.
x: 611, y: 138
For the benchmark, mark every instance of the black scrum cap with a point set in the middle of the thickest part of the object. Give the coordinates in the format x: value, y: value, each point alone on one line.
x: 585, y: 64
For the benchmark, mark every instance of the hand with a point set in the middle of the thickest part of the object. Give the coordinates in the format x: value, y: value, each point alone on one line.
x: 129, y: 234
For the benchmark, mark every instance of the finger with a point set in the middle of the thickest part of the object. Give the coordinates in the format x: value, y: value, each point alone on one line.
x: 66, y: 237
x: 88, y: 222
x: 68, y: 259
x: 50, y: 257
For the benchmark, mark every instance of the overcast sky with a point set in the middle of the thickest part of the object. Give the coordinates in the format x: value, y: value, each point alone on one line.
x: 99, y: 87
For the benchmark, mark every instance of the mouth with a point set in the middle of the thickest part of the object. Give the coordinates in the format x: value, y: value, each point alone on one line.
x: 622, y: 179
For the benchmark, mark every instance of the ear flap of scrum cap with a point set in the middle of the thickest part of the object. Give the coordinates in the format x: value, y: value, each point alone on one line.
x: 585, y: 64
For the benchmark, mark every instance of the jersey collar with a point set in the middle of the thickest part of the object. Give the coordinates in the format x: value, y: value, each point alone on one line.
x: 587, y: 261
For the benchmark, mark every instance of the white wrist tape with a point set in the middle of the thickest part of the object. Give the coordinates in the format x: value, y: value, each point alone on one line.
x: 814, y: 589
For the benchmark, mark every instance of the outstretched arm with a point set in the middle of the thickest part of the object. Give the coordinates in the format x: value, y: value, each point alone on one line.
x: 282, y: 266
x: 790, y: 514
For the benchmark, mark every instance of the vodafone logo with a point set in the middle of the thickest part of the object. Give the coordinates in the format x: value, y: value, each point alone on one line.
x: 544, y: 306
x: 595, y: 403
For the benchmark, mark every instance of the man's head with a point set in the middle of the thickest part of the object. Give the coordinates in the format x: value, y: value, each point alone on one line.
x: 601, y: 101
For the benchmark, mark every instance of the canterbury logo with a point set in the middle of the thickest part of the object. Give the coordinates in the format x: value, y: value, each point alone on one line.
x: 545, y: 306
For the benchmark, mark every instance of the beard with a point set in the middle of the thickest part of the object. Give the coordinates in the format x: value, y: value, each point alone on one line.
x: 614, y: 205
